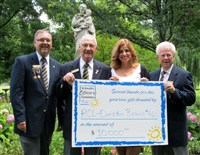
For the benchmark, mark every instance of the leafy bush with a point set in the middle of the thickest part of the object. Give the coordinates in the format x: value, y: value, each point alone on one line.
x: 193, y: 116
x: 9, y: 143
x: 6, y: 123
x: 108, y: 151
x: 57, y: 144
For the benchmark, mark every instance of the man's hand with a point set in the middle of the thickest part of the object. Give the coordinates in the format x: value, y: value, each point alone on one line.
x: 69, y: 77
x: 169, y: 86
x: 22, y: 126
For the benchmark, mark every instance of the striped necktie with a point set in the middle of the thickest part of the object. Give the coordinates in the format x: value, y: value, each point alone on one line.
x: 162, y: 75
x: 85, y: 71
x: 44, y: 73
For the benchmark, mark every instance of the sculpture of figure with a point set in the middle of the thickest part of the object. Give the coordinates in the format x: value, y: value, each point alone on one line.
x: 82, y: 24
x: 89, y: 23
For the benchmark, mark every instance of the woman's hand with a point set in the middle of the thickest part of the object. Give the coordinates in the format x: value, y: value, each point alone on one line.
x: 143, y: 79
x: 114, y: 78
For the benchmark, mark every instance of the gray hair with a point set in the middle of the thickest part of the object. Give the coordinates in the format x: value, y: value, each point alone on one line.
x: 40, y: 31
x: 167, y: 45
x: 88, y: 36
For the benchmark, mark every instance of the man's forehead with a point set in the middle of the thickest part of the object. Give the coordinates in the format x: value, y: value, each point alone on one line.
x: 89, y: 40
x: 44, y: 34
x: 165, y: 49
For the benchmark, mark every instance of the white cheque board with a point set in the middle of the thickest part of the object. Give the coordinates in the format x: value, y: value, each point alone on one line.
x: 109, y: 113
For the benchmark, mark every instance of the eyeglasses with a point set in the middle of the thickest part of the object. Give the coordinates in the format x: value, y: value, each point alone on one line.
x: 44, y: 39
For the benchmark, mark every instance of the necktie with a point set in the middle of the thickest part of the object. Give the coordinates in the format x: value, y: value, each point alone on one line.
x: 85, y: 71
x: 44, y: 73
x: 162, y: 75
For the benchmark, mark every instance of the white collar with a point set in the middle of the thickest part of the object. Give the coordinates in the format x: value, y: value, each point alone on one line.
x: 169, y: 70
x: 82, y: 63
x: 40, y: 57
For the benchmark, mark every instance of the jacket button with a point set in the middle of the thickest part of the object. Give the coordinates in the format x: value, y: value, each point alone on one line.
x: 44, y: 110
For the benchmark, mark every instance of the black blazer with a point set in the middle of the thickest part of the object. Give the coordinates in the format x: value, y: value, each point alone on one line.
x: 183, y: 96
x: 30, y: 101
x: 100, y: 71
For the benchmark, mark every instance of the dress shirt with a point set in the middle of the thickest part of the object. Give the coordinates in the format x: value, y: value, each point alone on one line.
x: 166, y: 76
x: 90, y: 68
x: 47, y: 64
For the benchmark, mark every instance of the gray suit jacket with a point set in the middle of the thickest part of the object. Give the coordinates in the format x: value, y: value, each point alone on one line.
x: 183, y: 96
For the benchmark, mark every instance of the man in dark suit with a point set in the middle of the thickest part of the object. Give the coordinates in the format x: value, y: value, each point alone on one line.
x: 75, y: 70
x: 33, y: 95
x: 180, y: 94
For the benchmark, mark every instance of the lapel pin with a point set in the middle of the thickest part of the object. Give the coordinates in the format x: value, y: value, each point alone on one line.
x: 97, y: 71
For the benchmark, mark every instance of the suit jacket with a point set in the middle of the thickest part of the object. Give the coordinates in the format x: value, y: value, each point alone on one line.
x: 183, y: 96
x: 104, y: 73
x: 30, y: 101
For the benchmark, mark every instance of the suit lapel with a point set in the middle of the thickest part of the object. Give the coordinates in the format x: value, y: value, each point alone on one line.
x: 40, y: 80
x: 156, y: 75
x: 96, y: 71
x: 75, y: 69
x: 52, y: 68
x: 173, y: 74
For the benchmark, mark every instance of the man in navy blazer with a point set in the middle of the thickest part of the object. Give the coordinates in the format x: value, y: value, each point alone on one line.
x: 180, y: 94
x: 74, y: 70
x: 34, y: 105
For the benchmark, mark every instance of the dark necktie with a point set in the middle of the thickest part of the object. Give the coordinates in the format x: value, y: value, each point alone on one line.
x: 44, y: 73
x: 162, y: 75
x: 85, y: 71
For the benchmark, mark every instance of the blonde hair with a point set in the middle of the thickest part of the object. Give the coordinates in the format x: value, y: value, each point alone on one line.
x: 115, y: 62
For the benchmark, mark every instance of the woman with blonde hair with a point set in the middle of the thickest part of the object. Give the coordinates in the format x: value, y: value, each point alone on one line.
x: 125, y: 67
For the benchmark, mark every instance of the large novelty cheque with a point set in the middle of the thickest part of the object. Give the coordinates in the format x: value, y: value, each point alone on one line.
x: 109, y: 113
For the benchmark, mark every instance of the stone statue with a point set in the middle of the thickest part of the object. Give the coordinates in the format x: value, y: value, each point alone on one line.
x: 82, y: 24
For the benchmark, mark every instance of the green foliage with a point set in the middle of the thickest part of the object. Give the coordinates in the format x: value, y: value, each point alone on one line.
x: 57, y: 144
x: 192, y: 54
x: 194, y: 126
x: 194, y: 148
x: 147, y: 58
x: 105, y: 45
x: 9, y: 143
x: 63, y: 46
x: 12, y: 148
x: 19, y: 21
x: 6, y: 123
x: 108, y: 151
x: 112, y: 151
x: 145, y: 23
